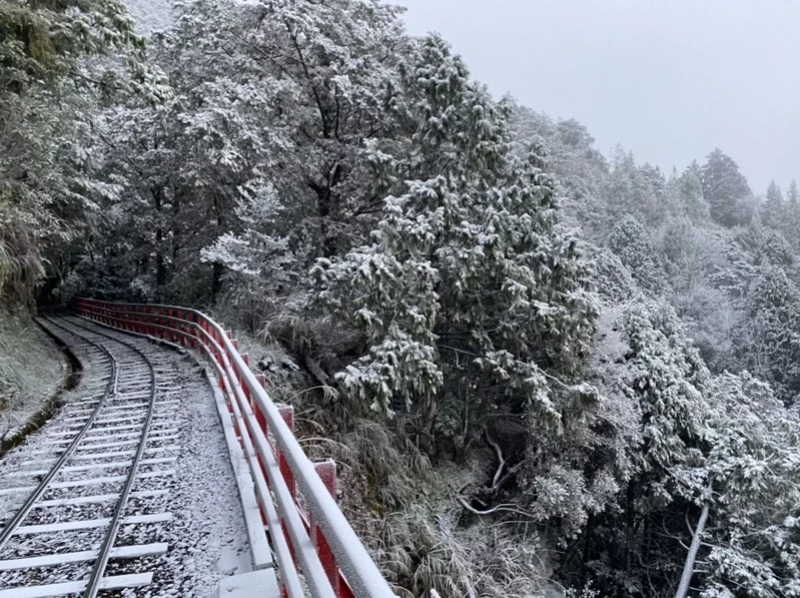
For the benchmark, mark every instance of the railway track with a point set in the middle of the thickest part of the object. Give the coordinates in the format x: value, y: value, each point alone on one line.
x: 85, y: 509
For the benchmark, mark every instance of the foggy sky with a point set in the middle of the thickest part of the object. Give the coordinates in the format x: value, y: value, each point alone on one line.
x: 668, y: 79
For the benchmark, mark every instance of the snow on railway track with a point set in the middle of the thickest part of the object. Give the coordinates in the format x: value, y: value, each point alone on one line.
x: 90, y: 501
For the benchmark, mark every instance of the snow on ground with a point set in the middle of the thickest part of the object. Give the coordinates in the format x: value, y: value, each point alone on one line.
x: 31, y: 370
x: 206, y: 534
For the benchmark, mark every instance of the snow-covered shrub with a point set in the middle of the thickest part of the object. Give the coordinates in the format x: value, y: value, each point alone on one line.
x: 612, y: 279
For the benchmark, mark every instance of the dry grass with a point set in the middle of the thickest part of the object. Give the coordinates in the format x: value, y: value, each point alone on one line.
x: 405, y: 508
x: 21, y: 264
x: 432, y: 543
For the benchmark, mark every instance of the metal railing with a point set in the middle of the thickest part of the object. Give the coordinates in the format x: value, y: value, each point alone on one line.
x: 317, y: 552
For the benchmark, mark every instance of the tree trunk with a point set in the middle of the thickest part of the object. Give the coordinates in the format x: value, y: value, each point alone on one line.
x: 161, y: 270
x: 427, y: 412
x: 688, y: 568
x: 587, y: 543
x: 326, y: 201
x: 176, y: 229
x: 629, y: 525
x: 217, y: 268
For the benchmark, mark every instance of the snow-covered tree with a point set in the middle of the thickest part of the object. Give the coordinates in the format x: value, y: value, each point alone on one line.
x: 791, y: 226
x: 465, y: 283
x: 318, y: 77
x: 634, y: 190
x: 768, y: 343
x: 691, y: 182
x: 726, y: 190
x: 793, y: 196
x: 47, y: 95
x: 570, y: 153
x: 611, y: 277
x: 260, y: 259
x: 773, y: 211
x: 747, y: 533
x: 669, y: 380
x: 653, y: 373
x: 629, y: 240
x: 774, y: 250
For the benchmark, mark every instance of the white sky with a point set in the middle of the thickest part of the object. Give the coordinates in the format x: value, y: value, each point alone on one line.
x: 668, y: 79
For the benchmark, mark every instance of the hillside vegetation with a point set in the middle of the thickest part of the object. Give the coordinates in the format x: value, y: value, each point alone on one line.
x: 31, y: 370
x: 542, y: 368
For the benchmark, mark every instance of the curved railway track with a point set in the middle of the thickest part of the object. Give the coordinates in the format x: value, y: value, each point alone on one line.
x: 88, y: 503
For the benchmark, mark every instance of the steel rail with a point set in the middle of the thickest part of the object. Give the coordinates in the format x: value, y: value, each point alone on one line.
x: 96, y: 577
x: 359, y: 569
x: 14, y: 522
x: 315, y: 576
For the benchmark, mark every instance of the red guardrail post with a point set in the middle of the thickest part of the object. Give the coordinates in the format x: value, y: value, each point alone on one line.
x: 247, y: 394
x: 287, y: 413
x: 184, y: 328
x: 327, y: 473
x: 261, y: 422
x: 260, y: 419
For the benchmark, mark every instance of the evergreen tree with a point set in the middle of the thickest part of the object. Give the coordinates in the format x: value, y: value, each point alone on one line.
x: 773, y: 250
x: 613, y: 280
x: 793, y: 196
x: 773, y: 210
x: 794, y: 193
x: 656, y: 375
x: 691, y: 182
x: 673, y: 201
x: 748, y: 487
x: 767, y: 341
x: 792, y: 224
x: 629, y: 240
x: 683, y: 253
x: 569, y: 149
x: 726, y: 190
x: 466, y: 277
x: 638, y: 191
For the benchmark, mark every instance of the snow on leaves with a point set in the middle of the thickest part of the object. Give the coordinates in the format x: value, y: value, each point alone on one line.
x: 465, y: 245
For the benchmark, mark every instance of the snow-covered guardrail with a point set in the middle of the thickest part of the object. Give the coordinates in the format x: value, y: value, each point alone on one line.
x: 316, y: 549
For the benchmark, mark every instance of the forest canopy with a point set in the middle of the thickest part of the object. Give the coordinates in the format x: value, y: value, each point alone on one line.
x: 552, y: 367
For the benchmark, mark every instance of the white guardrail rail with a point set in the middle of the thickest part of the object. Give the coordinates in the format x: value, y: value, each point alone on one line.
x: 317, y: 552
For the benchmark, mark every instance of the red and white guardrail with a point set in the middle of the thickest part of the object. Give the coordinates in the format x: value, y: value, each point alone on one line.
x: 316, y: 543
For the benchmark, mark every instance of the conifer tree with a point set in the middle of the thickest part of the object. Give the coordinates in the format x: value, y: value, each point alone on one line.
x: 466, y: 277
x: 695, y: 205
x: 630, y: 241
x: 774, y: 210
x: 726, y: 190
